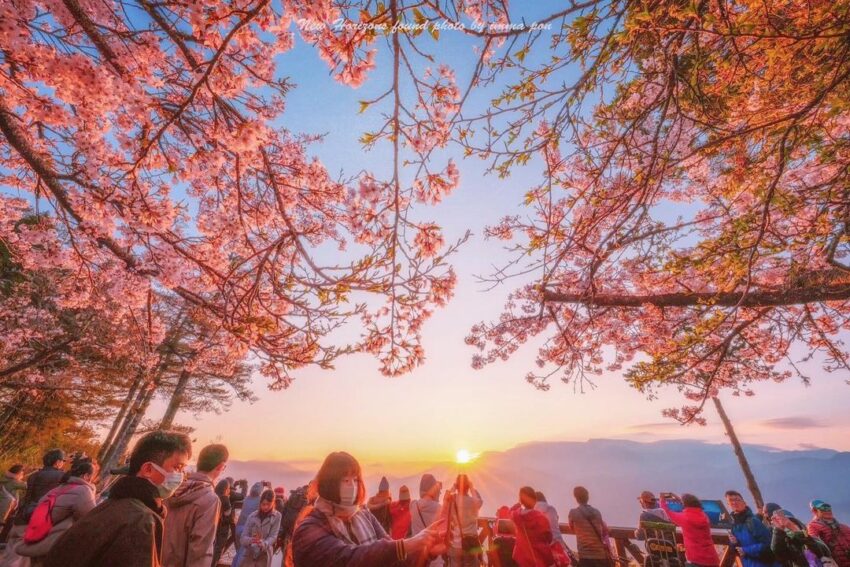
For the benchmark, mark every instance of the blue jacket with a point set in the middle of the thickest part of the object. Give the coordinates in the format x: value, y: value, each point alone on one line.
x: 754, y: 539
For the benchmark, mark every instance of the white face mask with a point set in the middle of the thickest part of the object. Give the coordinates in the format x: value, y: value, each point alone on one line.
x: 347, y: 494
x: 172, y: 481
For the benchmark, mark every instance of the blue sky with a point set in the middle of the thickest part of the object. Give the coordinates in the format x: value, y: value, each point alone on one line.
x: 445, y: 405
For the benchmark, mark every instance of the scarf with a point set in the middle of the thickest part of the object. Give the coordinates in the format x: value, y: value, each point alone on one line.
x: 140, y: 489
x: 349, y: 523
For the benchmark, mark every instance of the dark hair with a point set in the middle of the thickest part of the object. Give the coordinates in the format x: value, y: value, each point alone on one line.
x: 528, y: 492
x: 157, y: 446
x: 691, y: 501
x: 539, y: 496
x: 581, y: 494
x: 52, y: 456
x: 336, y: 466
x: 15, y: 469
x: 211, y: 456
x: 79, y: 468
x: 267, y: 496
x: 733, y: 493
x: 222, y: 487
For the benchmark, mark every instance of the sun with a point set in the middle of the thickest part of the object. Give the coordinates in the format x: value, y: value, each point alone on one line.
x: 463, y: 457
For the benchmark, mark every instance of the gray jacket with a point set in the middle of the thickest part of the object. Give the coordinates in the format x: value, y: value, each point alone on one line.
x: 75, y: 500
x: 190, y: 523
x: 266, y: 529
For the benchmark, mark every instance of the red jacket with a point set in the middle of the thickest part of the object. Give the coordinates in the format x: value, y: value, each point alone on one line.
x: 400, y: 518
x: 696, y: 531
x: 533, y: 539
x: 837, y: 538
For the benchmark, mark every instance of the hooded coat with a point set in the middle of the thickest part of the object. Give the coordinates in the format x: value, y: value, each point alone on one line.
x: 75, y: 499
x: 192, y: 515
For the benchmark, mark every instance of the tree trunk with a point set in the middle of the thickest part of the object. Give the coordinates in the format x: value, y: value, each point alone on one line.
x: 109, y: 451
x: 176, y: 400
x: 739, y: 452
x: 119, y: 419
x: 122, y: 441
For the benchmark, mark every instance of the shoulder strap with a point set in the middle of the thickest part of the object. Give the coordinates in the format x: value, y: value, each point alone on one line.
x: 590, y: 521
x: 419, y: 511
x: 459, y: 521
x: 530, y: 546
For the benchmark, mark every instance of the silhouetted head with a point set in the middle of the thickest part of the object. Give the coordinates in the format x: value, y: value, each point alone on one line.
x: 691, y: 501
x: 527, y: 497
x: 581, y: 495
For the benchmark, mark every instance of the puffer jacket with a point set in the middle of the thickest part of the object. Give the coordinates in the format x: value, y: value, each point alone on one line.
x: 75, y: 499
x: 753, y: 539
x: 836, y: 536
x: 191, y: 521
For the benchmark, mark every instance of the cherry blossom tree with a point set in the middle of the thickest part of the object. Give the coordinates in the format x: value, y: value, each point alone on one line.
x: 691, y: 223
x: 111, y: 112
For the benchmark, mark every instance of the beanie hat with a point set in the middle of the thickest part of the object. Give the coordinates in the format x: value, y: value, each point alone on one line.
x: 279, y: 491
x: 426, y: 484
x: 770, y: 508
x: 385, y: 485
x: 404, y: 493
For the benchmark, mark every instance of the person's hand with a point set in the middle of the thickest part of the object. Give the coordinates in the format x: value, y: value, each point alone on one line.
x: 740, y: 551
x: 426, y: 539
x: 437, y: 549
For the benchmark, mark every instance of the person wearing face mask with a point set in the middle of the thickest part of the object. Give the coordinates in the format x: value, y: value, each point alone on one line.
x: 341, y: 532
x: 193, y: 513
x: 126, y: 530
x: 260, y: 534
x: 74, y: 498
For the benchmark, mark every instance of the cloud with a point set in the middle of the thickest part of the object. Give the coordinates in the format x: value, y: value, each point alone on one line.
x: 663, y: 425
x: 793, y: 422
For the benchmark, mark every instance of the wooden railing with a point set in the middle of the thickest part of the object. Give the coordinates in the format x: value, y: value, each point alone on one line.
x: 626, y: 546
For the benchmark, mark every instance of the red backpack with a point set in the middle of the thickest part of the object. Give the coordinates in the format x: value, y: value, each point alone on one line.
x: 41, y: 521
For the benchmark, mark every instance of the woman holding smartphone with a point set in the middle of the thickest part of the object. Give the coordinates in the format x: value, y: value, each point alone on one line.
x: 696, y: 531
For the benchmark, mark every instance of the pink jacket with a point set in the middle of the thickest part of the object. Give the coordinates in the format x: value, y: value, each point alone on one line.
x: 696, y: 531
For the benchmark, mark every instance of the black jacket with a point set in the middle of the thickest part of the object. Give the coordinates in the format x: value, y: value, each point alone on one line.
x: 124, y: 531
x: 39, y: 483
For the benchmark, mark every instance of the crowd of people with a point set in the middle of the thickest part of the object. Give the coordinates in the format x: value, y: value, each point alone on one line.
x: 158, y: 514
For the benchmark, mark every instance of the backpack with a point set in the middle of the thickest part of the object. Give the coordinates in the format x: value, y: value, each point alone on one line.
x: 41, y: 520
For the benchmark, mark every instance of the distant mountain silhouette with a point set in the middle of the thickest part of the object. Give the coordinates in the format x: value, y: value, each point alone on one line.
x: 614, y: 471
